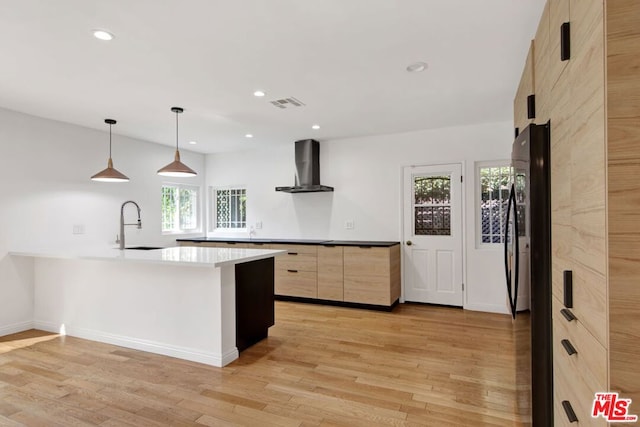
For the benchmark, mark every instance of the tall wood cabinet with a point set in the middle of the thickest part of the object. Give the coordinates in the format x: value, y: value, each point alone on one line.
x: 593, y: 102
x: 523, y: 105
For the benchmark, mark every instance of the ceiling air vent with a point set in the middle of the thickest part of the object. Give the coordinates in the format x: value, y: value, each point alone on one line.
x: 287, y: 103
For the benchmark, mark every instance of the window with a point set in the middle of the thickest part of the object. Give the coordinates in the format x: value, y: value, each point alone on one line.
x: 230, y: 210
x: 180, y: 207
x: 432, y: 205
x: 494, y: 178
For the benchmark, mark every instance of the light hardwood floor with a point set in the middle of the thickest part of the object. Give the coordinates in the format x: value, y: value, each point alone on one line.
x: 321, y: 366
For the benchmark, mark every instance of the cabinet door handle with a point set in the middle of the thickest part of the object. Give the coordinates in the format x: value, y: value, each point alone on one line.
x: 565, y: 41
x: 571, y: 415
x: 568, y: 314
x: 292, y: 271
x: 570, y: 349
x: 365, y: 246
x: 292, y: 253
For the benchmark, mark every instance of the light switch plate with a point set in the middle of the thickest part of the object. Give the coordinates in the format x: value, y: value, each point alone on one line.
x: 349, y: 224
x: 78, y: 229
x: 258, y: 225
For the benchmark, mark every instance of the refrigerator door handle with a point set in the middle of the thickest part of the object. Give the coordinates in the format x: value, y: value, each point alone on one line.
x: 512, y: 274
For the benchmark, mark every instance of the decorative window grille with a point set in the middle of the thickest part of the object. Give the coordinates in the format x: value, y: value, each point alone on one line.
x: 494, y: 196
x: 432, y: 205
x: 230, y: 208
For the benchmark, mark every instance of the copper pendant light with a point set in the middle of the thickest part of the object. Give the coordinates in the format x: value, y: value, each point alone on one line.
x: 110, y: 174
x: 177, y: 168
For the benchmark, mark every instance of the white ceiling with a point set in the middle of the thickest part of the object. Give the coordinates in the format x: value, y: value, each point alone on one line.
x: 345, y: 59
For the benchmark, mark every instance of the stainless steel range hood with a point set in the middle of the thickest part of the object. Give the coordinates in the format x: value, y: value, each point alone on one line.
x: 307, y: 153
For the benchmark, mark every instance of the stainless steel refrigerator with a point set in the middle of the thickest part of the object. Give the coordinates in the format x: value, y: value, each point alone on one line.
x: 529, y: 223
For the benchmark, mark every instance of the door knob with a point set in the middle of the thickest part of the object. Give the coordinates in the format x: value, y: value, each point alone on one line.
x: 409, y: 243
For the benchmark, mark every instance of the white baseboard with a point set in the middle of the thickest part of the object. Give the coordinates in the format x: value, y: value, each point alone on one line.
x: 488, y: 308
x: 144, y: 345
x: 16, y: 327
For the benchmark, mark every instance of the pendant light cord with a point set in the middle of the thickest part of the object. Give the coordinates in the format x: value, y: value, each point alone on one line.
x: 109, y: 140
x: 176, y: 131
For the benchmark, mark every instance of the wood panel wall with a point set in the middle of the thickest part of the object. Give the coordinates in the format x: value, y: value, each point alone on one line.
x: 623, y: 128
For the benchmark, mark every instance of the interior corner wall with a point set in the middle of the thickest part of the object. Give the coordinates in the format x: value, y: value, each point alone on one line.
x: 367, y: 173
x: 45, y: 167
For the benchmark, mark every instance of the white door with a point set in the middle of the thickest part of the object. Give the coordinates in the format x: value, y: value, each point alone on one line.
x: 433, y: 234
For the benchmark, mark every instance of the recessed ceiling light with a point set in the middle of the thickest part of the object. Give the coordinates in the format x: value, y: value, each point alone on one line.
x: 417, y: 67
x: 315, y: 127
x: 102, y: 35
x: 259, y: 93
x: 193, y: 142
x: 248, y: 135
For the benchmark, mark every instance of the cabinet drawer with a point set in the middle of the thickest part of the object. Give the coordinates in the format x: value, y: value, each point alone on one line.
x: 579, y: 376
x: 590, y: 302
x: 298, y: 257
x: 233, y: 245
x: 257, y: 245
x: 589, y: 298
x: 300, y: 262
x: 591, y: 357
x: 300, y: 249
x: 567, y: 385
x: 296, y: 283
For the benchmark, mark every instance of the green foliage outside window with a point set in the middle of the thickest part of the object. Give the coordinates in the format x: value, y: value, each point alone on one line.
x: 179, y: 208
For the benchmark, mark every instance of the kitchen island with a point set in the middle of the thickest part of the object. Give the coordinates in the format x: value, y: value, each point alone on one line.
x: 198, y: 304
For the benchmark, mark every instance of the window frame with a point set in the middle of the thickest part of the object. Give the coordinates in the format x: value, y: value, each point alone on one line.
x: 198, y: 209
x: 477, y: 210
x: 213, y: 205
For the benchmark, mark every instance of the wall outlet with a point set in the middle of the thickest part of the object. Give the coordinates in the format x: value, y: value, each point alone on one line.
x: 78, y: 229
x: 258, y: 225
x: 349, y: 224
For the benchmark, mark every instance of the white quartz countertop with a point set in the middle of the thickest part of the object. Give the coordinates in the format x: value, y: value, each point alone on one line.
x: 180, y: 255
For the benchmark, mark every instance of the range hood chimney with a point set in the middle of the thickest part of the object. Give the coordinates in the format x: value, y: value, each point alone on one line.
x: 307, y: 169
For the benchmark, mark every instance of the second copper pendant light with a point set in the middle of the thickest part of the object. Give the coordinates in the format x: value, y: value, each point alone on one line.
x: 177, y: 168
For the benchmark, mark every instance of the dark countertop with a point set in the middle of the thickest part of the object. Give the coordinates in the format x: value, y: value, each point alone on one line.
x: 293, y: 241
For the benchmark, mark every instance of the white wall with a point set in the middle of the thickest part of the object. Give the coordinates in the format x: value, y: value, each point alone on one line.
x: 45, y: 168
x: 366, y: 174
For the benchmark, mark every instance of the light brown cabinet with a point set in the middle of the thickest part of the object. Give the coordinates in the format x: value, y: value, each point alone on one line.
x: 372, y: 275
x: 330, y: 273
x: 558, y: 15
x: 368, y: 275
x: 526, y: 89
x: 592, y: 103
x: 296, y: 271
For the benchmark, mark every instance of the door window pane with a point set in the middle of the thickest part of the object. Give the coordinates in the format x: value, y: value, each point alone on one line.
x: 432, y: 205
